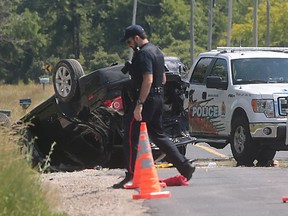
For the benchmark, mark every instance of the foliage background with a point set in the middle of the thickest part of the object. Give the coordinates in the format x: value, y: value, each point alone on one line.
x: 38, y: 32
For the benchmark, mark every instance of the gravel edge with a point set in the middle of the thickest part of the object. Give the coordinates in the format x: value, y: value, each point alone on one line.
x: 89, y: 193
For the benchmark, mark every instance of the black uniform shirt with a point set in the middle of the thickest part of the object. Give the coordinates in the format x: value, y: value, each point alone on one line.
x: 149, y: 59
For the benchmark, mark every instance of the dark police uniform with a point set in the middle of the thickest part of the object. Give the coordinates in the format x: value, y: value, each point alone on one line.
x: 150, y: 59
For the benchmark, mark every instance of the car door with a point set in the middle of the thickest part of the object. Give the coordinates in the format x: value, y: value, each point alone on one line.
x: 207, y: 106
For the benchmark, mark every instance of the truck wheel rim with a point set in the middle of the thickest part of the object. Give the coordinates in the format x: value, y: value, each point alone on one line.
x: 239, y: 140
x: 63, y: 81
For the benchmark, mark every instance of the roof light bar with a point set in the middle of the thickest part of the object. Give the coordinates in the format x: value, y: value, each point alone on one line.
x: 231, y: 49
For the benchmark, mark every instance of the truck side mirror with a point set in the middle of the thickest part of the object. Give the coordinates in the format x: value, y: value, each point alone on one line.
x: 216, y: 82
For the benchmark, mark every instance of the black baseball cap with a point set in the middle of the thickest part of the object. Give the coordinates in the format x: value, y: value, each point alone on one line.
x: 131, y: 31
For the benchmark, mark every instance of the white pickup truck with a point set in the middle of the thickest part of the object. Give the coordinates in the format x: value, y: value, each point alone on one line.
x: 238, y: 95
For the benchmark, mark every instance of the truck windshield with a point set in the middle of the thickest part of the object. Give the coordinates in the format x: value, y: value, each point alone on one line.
x: 260, y: 70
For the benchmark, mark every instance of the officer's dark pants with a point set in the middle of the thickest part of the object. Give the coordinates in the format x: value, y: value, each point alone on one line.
x: 152, y: 115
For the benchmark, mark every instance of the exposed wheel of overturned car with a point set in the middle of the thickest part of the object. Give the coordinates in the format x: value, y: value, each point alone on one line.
x: 65, y: 79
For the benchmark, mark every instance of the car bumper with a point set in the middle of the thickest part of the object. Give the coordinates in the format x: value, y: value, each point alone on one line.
x: 267, y: 130
x: 269, y: 133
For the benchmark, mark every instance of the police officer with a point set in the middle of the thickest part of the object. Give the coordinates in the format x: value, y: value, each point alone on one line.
x: 146, y: 103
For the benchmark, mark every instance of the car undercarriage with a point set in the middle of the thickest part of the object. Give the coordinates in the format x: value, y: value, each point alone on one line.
x: 81, y: 125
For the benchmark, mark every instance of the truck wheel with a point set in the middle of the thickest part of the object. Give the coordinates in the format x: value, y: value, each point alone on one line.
x: 243, y: 150
x: 65, y: 79
x: 265, y: 157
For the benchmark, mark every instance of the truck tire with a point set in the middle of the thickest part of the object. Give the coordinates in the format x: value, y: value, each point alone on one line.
x: 243, y: 149
x: 65, y: 79
x: 265, y: 157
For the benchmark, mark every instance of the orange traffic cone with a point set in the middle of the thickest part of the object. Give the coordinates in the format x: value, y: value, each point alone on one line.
x: 137, y: 170
x: 284, y: 199
x: 147, y: 177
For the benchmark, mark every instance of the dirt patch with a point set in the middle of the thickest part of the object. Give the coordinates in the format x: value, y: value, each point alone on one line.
x: 89, y: 193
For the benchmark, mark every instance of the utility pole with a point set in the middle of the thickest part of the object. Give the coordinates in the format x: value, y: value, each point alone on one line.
x: 133, y: 23
x: 192, y: 4
x: 268, y: 6
x: 230, y: 7
x: 134, y: 12
x: 210, y: 16
x: 255, y: 24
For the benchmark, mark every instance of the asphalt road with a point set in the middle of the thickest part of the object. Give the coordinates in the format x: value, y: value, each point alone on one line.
x: 204, y: 151
x: 224, y: 190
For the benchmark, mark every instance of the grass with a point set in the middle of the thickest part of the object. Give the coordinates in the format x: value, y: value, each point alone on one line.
x: 11, y: 94
x: 21, y: 192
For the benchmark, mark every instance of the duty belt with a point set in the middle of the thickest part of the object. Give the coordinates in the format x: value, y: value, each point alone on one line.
x: 156, y: 90
x: 153, y: 90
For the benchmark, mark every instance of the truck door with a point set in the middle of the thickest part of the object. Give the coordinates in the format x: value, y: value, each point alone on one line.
x: 206, y: 106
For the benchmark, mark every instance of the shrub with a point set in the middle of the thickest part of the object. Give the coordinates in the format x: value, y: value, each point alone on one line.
x: 20, y: 192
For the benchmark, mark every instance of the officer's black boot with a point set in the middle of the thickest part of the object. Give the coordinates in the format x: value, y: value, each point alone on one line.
x: 121, y: 184
x: 187, y: 170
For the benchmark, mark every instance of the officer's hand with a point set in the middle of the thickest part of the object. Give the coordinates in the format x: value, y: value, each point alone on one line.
x: 138, y: 112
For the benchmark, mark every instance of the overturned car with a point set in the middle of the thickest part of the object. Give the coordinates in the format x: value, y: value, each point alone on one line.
x: 80, y: 126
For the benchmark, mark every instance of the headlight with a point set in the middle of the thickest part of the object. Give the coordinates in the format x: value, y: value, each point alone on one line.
x: 264, y: 106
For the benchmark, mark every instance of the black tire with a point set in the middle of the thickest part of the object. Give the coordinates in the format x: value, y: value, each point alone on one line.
x: 243, y: 149
x: 65, y: 79
x: 265, y: 157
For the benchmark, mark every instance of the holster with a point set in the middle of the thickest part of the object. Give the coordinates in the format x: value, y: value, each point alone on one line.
x: 129, y: 96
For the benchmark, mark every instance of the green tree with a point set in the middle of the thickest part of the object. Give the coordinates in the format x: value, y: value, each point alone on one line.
x: 6, y: 41
x: 279, y: 30
x: 37, y: 31
x: 242, y: 30
x: 20, y: 42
